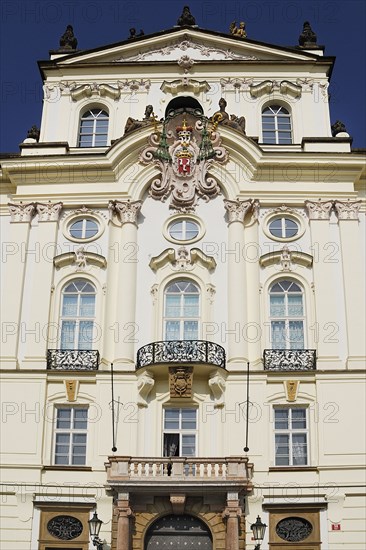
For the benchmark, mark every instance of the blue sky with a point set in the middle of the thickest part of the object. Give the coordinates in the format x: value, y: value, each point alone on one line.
x: 30, y: 28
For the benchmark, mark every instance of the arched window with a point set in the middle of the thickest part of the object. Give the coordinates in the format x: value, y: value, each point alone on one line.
x: 181, y: 311
x: 77, y: 315
x: 287, y: 315
x: 276, y: 125
x: 94, y: 128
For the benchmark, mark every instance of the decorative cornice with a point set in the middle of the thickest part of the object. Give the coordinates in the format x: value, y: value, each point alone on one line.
x: 184, y: 45
x: 182, y: 259
x: 126, y: 211
x: 319, y: 210
x: 237, y: 209
x: 185, y: 84
x: 347, y: 210
x: 269, y: 86
x: 285, y: 258
x: 80, y: 258
x: 49, y: 212
x: 22, y: 212
x: 76, y: 91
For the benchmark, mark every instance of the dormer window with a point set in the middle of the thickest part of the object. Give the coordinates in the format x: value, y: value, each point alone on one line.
x: 94, y: 128
x: 276, y: 125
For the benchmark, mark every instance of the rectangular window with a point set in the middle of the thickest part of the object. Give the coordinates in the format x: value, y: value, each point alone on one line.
x: 180, y: 432
x: 291, y: 437
x: 70, y: 436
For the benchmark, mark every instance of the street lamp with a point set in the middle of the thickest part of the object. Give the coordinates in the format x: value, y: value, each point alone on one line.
x: 259, y: 530
x: 94, y: 527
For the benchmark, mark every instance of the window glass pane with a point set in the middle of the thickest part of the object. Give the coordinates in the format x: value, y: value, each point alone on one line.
x: 299, y: 449
x: 190, y: 306
x: 91, y: 228
x: 295, y: 305
x: 281, y: 419
x: 87, y: 305
x: 277, y: 305
x: 78, y: 460
x: 171, y: 419
x: 282, y: 450
x: 191, y: 230
x: 76, y: 229
x: 188, y: 445
x: 63, y: 418
x: 298, y: 418
x: 80, y: 419
x: 278, y: 334
x: 172, y: 305
x: 171, y: 445
x: 69, y: 305
x: 175, y: 230
x: 189, y: 419
x: 85, y: 334
x: 68, y: 334
x: 172, y: 330
x: 296, y: 334
x: 190, y: 330
x: 291, y: 228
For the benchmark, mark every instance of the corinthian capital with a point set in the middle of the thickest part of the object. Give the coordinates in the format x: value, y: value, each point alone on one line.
x: 22, y: 212
x: 347, y: 210
x: 126, y: 211
x: 237, y: 209
x: 319, y: 210
x: 49, y: 212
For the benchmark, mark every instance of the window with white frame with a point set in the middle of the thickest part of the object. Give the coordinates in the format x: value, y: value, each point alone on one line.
x: 291, y: 436
x: 287, y: 315
x: 77, y: 315
x: 276, y: 125
x: 180, y: 432
x: 183, y: 230
x: 84, y: 229
x: 283, y: 228
x: 70, y: 436
x: 181, y: 311
x: 93, y: 131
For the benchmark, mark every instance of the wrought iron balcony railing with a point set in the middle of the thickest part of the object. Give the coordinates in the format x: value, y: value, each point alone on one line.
x: 72, y: 359
x: 289, y: 359
x: 181, y: 351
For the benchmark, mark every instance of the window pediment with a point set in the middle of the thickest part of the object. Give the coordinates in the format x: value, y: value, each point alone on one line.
x: 182, y: 259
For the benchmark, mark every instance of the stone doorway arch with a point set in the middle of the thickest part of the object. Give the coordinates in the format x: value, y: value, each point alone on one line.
x: 177, y: 532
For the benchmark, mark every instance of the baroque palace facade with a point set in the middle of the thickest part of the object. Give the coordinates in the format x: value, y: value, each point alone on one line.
x: 206, y: 267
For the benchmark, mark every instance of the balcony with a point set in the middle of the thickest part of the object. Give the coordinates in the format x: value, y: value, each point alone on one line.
x: 165, y: 474
x: 289, y: 359
x: 181, y: 351
x: 72, y: 359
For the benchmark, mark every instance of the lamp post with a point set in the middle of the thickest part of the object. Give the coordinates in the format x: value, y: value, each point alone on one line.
x: 259, y: 530
x: 94, y: 527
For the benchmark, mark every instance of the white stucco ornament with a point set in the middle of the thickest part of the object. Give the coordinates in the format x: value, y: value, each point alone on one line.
x: 184, y: 152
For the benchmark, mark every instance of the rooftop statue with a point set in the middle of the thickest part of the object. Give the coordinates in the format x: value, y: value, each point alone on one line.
x: 33, y: 133
x: 338, y: 127
x: 68, y: 40
x: 134, y: 124
x: 233, y: 121
x: 307, y: 38
x: 133, y: 33
x: 186, y: 19
x: 238, y: 31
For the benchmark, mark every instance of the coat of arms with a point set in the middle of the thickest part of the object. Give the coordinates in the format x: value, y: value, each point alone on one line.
x: 184, y: 151
x: 180, y: 381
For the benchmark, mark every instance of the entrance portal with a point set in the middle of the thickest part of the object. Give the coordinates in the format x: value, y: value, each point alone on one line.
x: 178, y: 532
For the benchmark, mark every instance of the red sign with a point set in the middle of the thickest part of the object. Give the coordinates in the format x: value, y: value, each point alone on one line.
x: 336, y: 526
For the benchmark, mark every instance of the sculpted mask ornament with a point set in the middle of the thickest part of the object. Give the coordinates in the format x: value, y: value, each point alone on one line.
x: 184, y: 152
